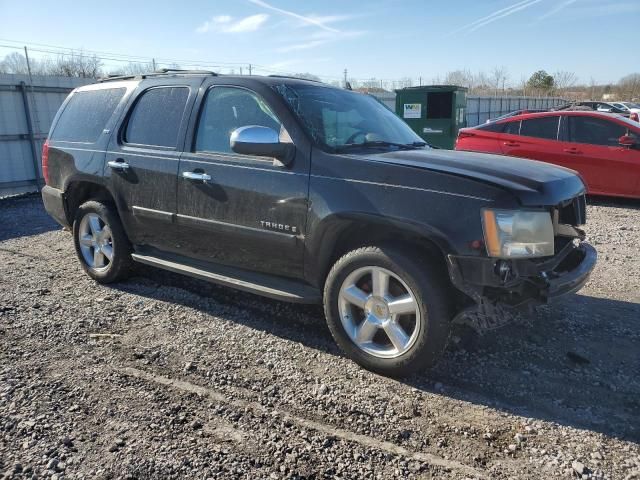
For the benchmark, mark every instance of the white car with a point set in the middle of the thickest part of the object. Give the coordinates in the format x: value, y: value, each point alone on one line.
x: 628, y: 107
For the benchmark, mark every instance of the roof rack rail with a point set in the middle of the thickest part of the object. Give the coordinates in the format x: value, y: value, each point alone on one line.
x: 162, y: 71
x: 157, y: 73
x: 295, y: 78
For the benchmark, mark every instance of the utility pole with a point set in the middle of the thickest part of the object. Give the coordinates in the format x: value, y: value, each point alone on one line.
x: 240, y: 70
x: 249, y: 69
x: 26, y: 56
x: 345, y: 78
x: 153, y: 63
x: 420, y: 80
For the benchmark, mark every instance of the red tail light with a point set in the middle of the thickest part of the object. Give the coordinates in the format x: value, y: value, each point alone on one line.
x: 634, y: 117
x: 45, y: 161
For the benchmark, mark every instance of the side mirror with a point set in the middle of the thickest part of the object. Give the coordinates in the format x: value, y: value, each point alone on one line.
x: 627, y: 141
x: 263, y: 142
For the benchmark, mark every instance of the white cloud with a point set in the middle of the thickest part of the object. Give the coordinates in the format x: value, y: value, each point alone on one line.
x: 557, y: 9
x: 497, y: 15
x: 324, y: 19
x: 226, y: 24
x: 311, y: 20
x: 248, y: 24
x: 301, y: 46
x: 222, y: 19
x: 317, y: 39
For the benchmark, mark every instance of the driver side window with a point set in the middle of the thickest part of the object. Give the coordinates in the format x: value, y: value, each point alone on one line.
x: 226, y: 109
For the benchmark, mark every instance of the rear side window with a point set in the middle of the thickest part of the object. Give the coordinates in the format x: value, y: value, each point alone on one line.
x: 492, y: 127
x: 595, y: 131
x: 156, y: 117
x: 545, y: 127
x: 85, y: 116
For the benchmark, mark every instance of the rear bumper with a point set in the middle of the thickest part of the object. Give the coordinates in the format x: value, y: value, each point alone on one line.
x: 54, y: 204
x: 522, y: 283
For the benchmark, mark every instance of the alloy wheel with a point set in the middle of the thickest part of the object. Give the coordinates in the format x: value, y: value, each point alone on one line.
x: 96, y: 242
x: 379, y: 312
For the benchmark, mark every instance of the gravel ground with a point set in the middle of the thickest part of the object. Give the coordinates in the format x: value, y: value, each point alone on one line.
x: 163, y: 376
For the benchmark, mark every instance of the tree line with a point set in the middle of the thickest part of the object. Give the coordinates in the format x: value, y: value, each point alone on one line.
x: 496, y: 82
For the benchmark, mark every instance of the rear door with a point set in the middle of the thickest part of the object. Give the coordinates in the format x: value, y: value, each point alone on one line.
x: 143, y: 156
x: 484, y: 138
x: 537, y: 139
x: 592, y: 149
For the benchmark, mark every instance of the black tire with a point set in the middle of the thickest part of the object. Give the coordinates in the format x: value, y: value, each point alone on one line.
x: 119, y: 267
x: 430, y: 291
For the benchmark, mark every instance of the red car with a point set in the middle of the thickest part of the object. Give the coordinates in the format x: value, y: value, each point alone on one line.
x: 604, y: 148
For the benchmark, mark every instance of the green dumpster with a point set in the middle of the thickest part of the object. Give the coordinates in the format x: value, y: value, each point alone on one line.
x: 435, y: 112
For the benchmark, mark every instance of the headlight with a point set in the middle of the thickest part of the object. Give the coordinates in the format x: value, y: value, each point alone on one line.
x: 517, y: 234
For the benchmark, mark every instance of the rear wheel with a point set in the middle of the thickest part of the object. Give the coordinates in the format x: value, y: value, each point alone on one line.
x: 387, y: 311
x: 101, y: 244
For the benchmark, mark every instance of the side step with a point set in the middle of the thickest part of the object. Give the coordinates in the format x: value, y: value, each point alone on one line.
x: 254, y: 282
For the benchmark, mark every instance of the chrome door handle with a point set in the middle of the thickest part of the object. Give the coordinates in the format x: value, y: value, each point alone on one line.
x: 203, y: 177
x: 118, y: 165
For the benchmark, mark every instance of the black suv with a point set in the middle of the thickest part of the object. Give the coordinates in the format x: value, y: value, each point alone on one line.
x: 304, y: 192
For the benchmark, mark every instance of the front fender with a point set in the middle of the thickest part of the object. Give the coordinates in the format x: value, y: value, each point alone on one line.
x: 338, y: 231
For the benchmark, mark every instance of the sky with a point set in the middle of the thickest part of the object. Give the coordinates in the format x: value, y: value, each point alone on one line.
x: 386, y: 39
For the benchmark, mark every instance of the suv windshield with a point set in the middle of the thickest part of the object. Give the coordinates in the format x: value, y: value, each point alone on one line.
x: 339, y: 119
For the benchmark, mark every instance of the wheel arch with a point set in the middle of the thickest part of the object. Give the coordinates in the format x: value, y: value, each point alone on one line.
x: 339, y: 234
x: 79, y: 190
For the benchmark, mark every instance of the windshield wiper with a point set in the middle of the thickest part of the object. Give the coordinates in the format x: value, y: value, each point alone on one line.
x: 381, y: 143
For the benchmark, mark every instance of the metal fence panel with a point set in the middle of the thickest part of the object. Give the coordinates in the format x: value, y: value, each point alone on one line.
x: 23, y: 99
x: 482, y: 108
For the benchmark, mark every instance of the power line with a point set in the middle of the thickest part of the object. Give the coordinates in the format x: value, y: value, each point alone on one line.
x: 46, y: 48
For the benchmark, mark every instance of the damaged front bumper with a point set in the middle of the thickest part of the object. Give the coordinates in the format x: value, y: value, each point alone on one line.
x: 501, y: 288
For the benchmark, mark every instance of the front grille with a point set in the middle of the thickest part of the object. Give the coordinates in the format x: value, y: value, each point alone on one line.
x: 574, y: 213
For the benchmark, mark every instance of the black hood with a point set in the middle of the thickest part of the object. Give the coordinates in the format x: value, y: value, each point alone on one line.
x: 533, y: 182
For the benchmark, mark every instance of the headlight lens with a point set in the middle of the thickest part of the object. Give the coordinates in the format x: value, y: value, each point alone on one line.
x: 517, y: 234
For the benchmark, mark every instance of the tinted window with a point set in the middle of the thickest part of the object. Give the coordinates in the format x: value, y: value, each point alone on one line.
x: 545, y: 127
x: 86, y: 115
x: 228, y: 108
x: 512, y: 128
x: 595, y: 131
x: 492, y: 127
x: 156, y: 117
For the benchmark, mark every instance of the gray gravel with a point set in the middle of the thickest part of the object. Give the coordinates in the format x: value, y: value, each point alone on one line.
x: 163, y: 376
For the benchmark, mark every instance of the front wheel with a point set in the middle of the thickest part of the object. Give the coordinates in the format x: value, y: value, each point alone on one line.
x: 101, y: 243
x: 388, y: 312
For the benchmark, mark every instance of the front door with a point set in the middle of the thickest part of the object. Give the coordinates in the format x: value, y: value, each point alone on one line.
x: 593, y: 150
x: 241, y: 210
x: 143, y: 156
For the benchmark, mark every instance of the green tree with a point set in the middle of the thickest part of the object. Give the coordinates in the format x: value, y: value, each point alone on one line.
x: 541, y: 80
